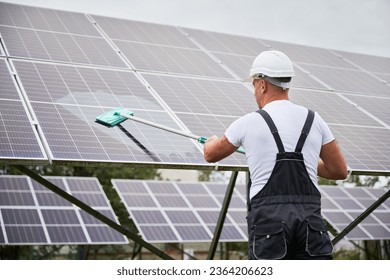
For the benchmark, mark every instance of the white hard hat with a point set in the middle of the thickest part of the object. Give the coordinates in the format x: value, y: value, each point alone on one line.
x: 271, y: 65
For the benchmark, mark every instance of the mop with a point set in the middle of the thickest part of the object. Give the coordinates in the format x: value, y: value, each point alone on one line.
x: 119, y: 115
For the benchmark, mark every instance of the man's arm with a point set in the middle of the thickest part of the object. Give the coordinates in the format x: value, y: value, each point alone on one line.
x: 332, y: 164
x: 216, y: 149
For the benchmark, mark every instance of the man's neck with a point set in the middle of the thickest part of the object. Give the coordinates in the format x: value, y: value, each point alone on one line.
x: 276, y: 96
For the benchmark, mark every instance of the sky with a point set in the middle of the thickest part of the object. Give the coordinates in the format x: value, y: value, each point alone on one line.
x: 360, y: 26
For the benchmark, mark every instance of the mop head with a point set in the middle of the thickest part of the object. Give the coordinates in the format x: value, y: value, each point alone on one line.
x: 113, y: 117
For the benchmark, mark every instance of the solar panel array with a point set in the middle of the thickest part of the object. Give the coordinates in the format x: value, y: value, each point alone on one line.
x: 187, y: 212
x: 70, y: 68
x: 181, y: 211
x: 30, y: 214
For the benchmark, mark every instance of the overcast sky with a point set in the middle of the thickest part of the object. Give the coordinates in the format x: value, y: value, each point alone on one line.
x: 361, y: 26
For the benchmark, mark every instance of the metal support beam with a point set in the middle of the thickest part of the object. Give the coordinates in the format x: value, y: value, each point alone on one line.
x: 222, y: 215
x: 362, y: 216
x: 94, y: 213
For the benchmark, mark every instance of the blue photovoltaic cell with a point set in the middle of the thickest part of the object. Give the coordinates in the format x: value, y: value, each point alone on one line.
x: 32, y: 214
x: 149, y: 217
x: 102, y: 234
x: 193, y: 233
x: 228, y: 233
x: 25, y: 234
x: 170, y: 201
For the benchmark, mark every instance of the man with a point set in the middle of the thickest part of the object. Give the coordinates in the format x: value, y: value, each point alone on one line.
x: 286, y: 147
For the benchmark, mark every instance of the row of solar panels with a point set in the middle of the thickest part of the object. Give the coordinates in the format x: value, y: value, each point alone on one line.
x: 177, y: 212
x: 62, y: 69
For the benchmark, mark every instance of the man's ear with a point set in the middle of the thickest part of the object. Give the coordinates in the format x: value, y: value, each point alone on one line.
x: 263, y: 86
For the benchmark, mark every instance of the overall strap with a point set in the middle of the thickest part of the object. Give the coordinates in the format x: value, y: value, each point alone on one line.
x: 273, y: 129
x: 305, y: 131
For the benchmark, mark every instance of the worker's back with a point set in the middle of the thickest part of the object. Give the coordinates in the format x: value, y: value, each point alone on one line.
x: 252, y: 132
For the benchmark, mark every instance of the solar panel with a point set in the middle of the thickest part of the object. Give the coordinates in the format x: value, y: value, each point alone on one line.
x: 159, y: 48
x: 334, y: 109
x: 365, y: 148
x: 45, y: 19
x: 196, y: 206
x: 67, y: 99
x: 350, y: 81
x: 185, y: 211
x: 32, y: 214
x: 18, y: 138
x: 142, y: 32
x: 311, y: 55
x: 377, y: 106
x: 341, y: 206
x: 370, y: 63
x: 72, y: 67
x: 226, y: 43
x: 38, y: 33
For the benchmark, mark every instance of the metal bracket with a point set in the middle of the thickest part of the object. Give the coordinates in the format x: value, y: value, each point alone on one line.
x: 222, y: 215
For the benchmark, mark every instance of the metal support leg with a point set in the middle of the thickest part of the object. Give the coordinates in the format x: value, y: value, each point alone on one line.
x: 92, y: 212
x: 222, y: 215
x: 362, y: 216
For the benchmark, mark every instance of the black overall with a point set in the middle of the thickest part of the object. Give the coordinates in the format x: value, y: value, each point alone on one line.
x: 284, y: 218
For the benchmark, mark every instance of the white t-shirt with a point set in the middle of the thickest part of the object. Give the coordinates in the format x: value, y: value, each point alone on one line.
x: 253, y: 134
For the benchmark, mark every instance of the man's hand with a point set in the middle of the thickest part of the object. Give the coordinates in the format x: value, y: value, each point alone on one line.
x: 216, y: 148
